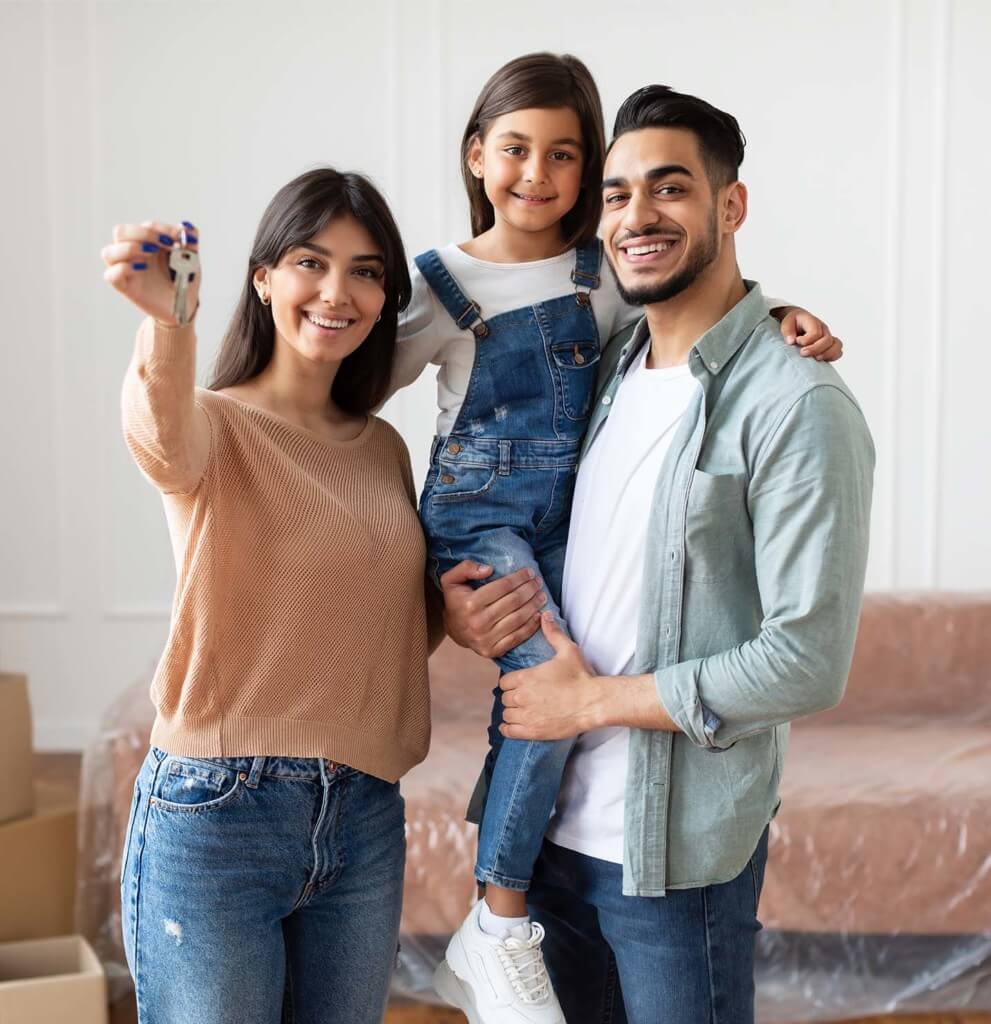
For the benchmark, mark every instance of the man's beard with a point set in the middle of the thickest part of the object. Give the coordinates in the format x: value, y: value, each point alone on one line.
x: 704, y: 253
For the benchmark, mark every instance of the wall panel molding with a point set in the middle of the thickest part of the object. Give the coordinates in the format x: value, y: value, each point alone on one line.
x: 137, y: 613
x: 892, y: 285
x: 940, y: 36
x: 51, y: 164
x: 33, y: 611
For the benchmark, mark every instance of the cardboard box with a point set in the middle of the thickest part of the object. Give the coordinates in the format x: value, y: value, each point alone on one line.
x: 52, y: 981
x: 38, y: 867
x: 16, y: 755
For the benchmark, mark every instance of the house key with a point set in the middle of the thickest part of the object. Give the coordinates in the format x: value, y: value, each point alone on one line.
x: 184, y: 264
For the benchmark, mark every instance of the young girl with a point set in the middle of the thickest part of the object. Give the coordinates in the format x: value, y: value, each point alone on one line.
x: 263, y: 865
x: 515, y: 318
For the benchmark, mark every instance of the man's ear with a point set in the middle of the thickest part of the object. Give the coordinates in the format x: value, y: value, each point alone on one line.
x: 733, y: 207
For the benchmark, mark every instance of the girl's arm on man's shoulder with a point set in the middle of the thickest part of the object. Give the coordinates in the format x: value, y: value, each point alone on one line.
x: 800, y: 327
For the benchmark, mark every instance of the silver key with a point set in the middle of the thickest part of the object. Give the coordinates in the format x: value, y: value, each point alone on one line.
x: 185, y: 264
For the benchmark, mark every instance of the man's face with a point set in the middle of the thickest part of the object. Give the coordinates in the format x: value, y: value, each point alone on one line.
x: 660, y: 220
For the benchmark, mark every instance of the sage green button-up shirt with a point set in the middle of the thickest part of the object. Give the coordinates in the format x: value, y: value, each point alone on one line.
x: 753, y: 578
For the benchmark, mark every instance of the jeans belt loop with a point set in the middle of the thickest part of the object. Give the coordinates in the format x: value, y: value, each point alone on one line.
x: 504, y: 449
x: 254, y: 776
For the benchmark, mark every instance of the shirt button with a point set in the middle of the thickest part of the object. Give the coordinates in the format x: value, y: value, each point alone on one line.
x: 446, y: 478
x: 607, y: 400
x: 713, y: 365
x: 454, y: 448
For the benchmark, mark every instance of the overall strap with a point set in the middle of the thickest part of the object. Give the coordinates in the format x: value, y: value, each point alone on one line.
x: 588, y: 259
x: 465, y: 313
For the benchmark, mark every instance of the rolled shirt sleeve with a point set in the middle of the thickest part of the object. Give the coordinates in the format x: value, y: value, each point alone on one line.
x: 809, y: 499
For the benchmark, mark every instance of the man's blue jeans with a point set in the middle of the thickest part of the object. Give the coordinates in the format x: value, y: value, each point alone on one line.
x: 685, y: 958
x: 261, y: 889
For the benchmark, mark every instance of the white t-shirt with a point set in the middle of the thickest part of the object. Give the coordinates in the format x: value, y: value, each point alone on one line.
x: 428, y: 333
x: 603, y: 576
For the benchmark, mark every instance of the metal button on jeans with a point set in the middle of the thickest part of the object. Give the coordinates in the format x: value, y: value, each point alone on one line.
x: 446, y: 478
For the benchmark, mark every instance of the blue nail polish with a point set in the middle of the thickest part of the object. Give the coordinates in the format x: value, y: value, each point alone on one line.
x: 192, y: 240
x: 149, y: 247
x: 188, y: 226
x: 171, y: 274
x: 165, y: 240
x: 140, y: 266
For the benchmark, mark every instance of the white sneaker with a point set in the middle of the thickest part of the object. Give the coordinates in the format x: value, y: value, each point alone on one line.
x: 498, y: 981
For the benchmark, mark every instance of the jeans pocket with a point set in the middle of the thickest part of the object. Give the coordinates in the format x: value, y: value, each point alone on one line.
x: 190, y: 785
x: 129, y: 829
x: 462, y: 483
x: 757, y: 864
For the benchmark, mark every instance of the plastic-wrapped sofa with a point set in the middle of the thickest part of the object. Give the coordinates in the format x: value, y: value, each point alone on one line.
x: 877, y: 896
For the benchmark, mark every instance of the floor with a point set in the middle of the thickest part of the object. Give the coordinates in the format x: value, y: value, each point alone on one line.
x: 65, y: 768
x: 432, y: 1015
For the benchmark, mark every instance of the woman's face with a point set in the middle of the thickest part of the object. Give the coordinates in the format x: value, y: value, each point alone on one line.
x: 326, y: 293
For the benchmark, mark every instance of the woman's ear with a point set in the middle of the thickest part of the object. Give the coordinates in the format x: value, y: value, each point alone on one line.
x: 261, y: 282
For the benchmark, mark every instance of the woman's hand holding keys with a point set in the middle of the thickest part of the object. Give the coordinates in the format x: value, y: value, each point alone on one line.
x: 138, y: 267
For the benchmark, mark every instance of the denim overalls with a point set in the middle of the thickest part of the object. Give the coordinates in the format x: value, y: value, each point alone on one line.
x: 499, y: 491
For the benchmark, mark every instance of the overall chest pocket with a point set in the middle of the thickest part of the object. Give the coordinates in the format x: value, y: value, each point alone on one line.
x: 714, y: 526
x: 575, y: 365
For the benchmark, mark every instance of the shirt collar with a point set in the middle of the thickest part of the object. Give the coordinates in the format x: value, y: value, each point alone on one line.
x: 720, y: 343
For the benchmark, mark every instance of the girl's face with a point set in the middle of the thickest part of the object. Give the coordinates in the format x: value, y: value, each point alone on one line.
x: 327, y: 292
x: 531, y: 163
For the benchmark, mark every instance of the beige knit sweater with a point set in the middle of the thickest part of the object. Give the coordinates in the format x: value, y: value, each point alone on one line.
x: 298, y: 624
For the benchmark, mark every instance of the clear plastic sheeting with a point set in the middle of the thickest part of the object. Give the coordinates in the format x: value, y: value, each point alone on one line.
x: 110, y: 766
x: 877, y: 896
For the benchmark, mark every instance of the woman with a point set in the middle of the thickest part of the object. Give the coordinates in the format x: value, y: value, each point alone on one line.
x: 263, y: 866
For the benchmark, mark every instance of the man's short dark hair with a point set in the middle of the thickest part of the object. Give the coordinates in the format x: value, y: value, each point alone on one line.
x: 719, y: 137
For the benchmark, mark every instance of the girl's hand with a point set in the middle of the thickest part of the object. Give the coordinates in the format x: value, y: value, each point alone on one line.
x: 138, y: 266
x: 800, y: 327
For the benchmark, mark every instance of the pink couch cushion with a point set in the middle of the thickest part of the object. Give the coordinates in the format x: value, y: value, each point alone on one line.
x: 919, y: 657
x: 883, y: 829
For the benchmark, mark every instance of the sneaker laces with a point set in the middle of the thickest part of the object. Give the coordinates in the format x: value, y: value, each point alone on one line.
x: 523, y: 963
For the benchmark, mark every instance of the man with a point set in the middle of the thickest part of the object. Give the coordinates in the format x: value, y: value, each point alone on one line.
x: 713, y: 583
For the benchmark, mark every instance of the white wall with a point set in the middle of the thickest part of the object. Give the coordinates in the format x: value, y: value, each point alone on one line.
x: 868, y: 162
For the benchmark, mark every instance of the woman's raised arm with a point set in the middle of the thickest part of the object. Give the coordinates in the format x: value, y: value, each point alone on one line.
x: 167, y: 432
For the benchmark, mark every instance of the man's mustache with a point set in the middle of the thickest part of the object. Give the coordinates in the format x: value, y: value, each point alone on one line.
x: 650, y: 232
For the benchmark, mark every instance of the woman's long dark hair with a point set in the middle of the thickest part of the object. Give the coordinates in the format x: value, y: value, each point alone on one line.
x: 300, y: 210
x: 542, y: 80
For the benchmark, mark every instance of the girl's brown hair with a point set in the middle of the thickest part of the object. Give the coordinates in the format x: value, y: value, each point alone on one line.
x: 300, y: 210
x: 543, y: 80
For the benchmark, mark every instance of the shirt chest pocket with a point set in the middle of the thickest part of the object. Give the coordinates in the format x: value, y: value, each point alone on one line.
x: 717, y: 524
